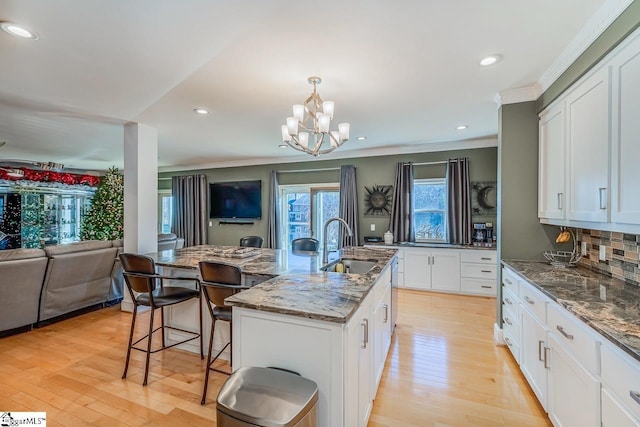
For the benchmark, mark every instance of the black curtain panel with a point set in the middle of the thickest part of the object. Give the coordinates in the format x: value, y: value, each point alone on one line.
x: 459, y: 201
x: 401, y: 223
x: 190, y: 208
x: 348, y: 205
x: 273, y: 233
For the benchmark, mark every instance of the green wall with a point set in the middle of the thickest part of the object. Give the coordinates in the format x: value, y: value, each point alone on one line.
x: 626, y: 23
x: 370, y: 171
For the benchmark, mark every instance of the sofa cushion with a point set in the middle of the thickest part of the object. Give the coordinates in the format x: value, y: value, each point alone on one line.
x: 118, y: 243
x: 87, y: 245
x: 166, y: 236
x: 15, y: 254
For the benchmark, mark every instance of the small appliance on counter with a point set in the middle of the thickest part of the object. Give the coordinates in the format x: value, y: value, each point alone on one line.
x: 373, y: 239
x: 482, y: 233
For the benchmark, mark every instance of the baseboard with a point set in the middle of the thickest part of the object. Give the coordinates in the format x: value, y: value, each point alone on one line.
x: 498, y: 336
x: 126, y: 306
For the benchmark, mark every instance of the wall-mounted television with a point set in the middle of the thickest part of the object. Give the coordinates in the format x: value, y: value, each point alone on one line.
x: 238, y: 199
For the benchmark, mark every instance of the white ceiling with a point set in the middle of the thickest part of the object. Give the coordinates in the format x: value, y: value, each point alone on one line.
x: 403, y: 73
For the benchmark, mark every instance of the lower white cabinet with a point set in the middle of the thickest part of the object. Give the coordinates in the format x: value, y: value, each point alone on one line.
x: 359, y: 354
x: 382, y: 339
x: 534, y: 355
x: 614, y: 414
x: 620, y: 388
x: 574, y: 394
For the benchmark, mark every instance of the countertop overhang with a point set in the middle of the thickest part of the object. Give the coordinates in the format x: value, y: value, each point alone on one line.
x: 608, y: 305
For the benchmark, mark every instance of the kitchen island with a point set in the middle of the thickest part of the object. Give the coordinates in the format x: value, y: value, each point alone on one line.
x: 332, y: 328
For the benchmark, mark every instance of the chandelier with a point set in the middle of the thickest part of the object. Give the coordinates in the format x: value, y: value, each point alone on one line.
x: 308, y: 129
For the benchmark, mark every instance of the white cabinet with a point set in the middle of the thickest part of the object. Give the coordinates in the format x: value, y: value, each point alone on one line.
x: 428, y: 268
x: 552, y: 166
x: 625, y: 128
x: 359, y: 355
x: 587, y: 110
x: 382, y: 335
x: 574, y: 393
x: 534, y: 355
x: 478, y: 272
x: 620, y: 388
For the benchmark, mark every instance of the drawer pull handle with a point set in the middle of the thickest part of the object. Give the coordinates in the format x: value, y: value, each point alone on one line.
x: 486, y: 286
x: 635, y: 396
x: 540, y: 343
x: 485, y: 259
x: 506, y: 339
x: 509, y: 282
x: 529, y: 300
x: 508, y: 321
x: 486, y: 271
x: 508, y: 301
x: 563, y: 332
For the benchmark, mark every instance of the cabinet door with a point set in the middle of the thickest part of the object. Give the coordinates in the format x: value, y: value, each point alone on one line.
x: 417, y: 270
x: 445, y: 270
x: 358, y: 400
x: 552, y: 167
x: 587, y: 109
x: 625, y: 128
x: 574, y: 395
x: 532, y: 354
x: 381, y: 336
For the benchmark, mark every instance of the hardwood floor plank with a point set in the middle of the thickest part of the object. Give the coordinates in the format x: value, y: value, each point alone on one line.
x: 443, y: 369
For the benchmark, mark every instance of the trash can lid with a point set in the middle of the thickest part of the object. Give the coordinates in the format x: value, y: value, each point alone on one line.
x: 267, y: 397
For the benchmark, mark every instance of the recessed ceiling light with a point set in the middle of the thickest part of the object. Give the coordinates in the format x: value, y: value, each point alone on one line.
x: 361, y: 138
x: 200, y: 111
x: 462, y: 127
x: 18, y: 30
x: 490, y: 60
x: 283, y: 146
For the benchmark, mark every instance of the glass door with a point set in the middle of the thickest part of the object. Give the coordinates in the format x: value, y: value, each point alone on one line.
x: 304, y: 210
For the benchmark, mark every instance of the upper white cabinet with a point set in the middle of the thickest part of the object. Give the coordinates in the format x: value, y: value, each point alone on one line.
x: 587, y: 110
x: 625, y: 135
x: 588, y: 147
x: 551, y: 176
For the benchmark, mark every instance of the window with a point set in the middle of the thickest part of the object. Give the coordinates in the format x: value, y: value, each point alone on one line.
x: 165, y: 211
x: 305, y: 209
x: 430, y: 210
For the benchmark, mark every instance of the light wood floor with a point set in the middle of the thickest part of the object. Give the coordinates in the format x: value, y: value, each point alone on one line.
x: 443, y: 370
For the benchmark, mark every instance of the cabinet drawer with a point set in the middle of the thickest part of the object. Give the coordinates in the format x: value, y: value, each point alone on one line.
x: 510, y: 281
x: 621, y: 375
x: 613, y: 414
x: 512, y: 344
x: 478, y: 271
x: 478, y: 286
x: 511, y: 324
x: 509, y: 300
x: 575, y: 337
x: 533, y: 301
x: 480, y: 257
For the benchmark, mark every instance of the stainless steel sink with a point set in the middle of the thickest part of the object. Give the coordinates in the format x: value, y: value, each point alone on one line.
x: 352, y: 266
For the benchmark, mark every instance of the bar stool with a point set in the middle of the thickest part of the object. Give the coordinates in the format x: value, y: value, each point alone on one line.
x: 147, y: 290
x: 306, y: 244
x: 219, y: 281
x: 251, y: 241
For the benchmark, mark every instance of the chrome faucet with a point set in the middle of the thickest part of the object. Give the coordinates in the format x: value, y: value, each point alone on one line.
x: 325, y: 252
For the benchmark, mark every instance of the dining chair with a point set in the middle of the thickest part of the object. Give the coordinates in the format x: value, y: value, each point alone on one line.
x: 147, y: 289
x: 306, y: 244
x: 251, y: 241
x: 219, y: 281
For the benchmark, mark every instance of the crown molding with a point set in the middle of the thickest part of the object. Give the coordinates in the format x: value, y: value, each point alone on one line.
x: 372, y: 152
x: 520, y: 94
x: 594, y: 27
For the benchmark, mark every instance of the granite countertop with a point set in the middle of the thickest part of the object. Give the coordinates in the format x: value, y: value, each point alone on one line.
x: 296, y: 286
x: 429, y: 245
x: 608, y: 305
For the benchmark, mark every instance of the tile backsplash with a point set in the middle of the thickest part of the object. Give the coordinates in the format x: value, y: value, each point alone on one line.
x: 622, y: 253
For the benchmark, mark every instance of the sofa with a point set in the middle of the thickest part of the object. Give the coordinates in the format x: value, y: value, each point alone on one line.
x: 168, y: 241
x: 22, y: 273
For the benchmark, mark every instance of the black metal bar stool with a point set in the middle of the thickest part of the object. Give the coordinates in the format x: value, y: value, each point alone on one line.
x: 219, y: 281
x: 147, y: 290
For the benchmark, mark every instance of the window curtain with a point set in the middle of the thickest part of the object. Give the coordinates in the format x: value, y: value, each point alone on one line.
x: 273, y: 232
x: 190, y: 208
x: 401, y: 223
x: 459, y: 201
x: 348, y: 205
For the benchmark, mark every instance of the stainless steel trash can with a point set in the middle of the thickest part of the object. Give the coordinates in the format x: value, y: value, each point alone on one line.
x: 267, y: 397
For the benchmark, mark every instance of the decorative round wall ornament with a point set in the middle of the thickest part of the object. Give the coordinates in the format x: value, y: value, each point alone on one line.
x: 377, y: 201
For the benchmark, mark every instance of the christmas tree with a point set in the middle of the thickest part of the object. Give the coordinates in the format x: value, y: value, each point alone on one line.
x: 105, y: 218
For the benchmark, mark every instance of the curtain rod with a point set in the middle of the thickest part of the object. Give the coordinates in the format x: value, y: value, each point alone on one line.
x: 441, y: 162
x: 308, y: 170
